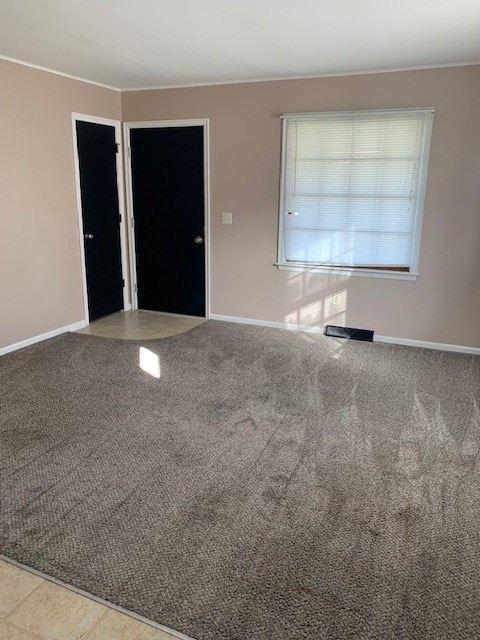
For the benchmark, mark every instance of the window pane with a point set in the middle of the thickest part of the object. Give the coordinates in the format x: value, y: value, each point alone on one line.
x: 351, y: 184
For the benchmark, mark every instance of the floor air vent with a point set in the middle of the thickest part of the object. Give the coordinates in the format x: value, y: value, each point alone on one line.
x: 365, y: 335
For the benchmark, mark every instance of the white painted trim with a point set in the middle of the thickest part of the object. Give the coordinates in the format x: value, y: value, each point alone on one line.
x: 422, y: 188
x: 57, y: 73
x: 151, y: 124
x: 282, y: 264
x: 308, y: 115
x: 116, y: 124
x: 206, y: 169
x: 217, y: 83
x: 122, y: 209
x: 43, y: 336
x: 78, y: 194
x: 159, y: 124
x: 440, y: 346
x: 129, y: 217
x: 281, y: 218
x: 347, y: 271
x: 101, y: 601
x: 267, y: 323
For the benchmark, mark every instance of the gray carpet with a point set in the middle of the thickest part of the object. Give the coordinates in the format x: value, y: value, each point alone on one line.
x: 270, y: 485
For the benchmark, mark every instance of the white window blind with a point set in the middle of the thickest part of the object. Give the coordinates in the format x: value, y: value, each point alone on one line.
x: 353, y: 188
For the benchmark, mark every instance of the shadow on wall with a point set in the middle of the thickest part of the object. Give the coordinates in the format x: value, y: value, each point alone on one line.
x: 314, y: 306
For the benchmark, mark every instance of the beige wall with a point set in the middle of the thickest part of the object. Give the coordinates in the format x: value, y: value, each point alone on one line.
x: 40, y: 272
x: 443, y: 305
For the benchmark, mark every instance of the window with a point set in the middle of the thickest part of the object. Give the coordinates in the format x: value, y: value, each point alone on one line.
x: 352, y: 191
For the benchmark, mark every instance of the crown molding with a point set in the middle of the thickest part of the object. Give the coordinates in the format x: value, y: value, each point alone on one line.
x: 58, y: 73
x: 217, y: 83
x: 159, y: 87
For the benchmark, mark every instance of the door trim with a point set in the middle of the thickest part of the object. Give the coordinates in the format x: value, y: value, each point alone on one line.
x: 157, y: 124
x: 81, y: 117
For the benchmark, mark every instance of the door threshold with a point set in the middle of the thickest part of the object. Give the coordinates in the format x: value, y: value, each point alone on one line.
x: 169, y: 313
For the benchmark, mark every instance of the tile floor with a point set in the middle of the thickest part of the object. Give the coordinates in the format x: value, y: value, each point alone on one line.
x: 32, y: 608
x: 141, y: 325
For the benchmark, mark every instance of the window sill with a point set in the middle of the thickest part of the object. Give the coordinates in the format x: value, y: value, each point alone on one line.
x: 347, y: 271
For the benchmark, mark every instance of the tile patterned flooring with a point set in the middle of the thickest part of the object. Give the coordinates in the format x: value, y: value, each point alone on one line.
x: 33, y: 608
x: 141, y: 325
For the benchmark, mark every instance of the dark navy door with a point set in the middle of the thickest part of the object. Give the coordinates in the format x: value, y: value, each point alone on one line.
x: 101, y: 219
x: 168, y: 207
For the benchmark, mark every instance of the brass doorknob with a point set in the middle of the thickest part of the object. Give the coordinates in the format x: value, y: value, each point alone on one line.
x: 198, y: 240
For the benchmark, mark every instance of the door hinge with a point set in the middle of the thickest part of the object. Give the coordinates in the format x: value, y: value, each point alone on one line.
x: 136, y: 288
x: 129, y: 152
x: 117, y: 147
x: 119, y: 217
x: 123, y: 282
x: 133, y: 223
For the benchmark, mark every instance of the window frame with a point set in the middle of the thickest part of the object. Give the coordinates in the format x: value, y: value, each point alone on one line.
x: 413, y: 273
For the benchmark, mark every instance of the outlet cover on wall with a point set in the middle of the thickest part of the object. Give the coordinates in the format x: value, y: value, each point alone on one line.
x: 226, y: 218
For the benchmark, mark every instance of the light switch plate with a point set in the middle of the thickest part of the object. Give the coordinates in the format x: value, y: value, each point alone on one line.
x: 226, y: 218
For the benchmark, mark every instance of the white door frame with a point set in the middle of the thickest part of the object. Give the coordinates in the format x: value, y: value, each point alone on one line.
x: 153, y: 124
x: 76, y: 117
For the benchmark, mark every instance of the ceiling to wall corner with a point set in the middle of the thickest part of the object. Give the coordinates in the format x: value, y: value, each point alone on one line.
x: 157, y: 43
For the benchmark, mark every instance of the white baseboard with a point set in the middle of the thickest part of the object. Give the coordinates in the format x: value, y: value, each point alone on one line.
x: 386, y: 339
x: 267, y: 323
x: 43, y: 336
x: 440, y: 346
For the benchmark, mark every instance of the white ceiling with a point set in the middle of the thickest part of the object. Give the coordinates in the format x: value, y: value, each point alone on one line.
x: 147, y: 43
